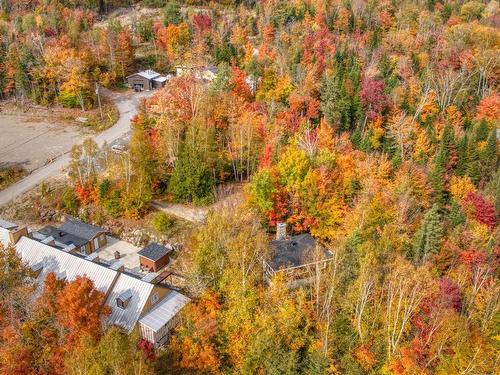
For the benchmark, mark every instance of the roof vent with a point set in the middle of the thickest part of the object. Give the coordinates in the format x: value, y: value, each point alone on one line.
x: 61, y: 275
x: 123, y: 299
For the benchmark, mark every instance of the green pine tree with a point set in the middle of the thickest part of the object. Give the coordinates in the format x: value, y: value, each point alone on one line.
x: 457, y: 216
x: 489, y: 157
x: 192, y: 180
x: 428, y: 238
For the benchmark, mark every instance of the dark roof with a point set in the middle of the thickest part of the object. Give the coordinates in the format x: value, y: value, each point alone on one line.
x: 62, y: 236
x: 154, y: 251
x: 293, y: 251
x: 81, y: 229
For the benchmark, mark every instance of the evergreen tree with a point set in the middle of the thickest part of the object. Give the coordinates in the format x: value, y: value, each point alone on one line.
x: 192, y: 180
x: 473, y: 167
x: 461, y: 166
x: 437, y: 177
x: 428, y: 238
x: 340, y: 101
x: 489, y: 158
x: 457, y: 216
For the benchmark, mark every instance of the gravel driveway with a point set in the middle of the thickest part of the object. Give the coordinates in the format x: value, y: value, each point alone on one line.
x: 127, y: 106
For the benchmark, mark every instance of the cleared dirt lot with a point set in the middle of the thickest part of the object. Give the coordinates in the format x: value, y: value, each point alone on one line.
x: 31, y: 141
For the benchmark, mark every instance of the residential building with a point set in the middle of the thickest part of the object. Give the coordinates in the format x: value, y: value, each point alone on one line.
x: 154, y: 257
x: 130, y: 297
x: 296, y: 257
x: 63, y: 240
x: 95, y: 236
x: 146, y: 80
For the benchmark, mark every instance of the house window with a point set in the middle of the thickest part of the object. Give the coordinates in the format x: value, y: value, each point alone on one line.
x: 82, y: 250
x: 155, y: 298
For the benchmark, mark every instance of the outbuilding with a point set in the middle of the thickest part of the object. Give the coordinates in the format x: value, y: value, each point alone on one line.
x: 154, y: 257
x: 146, y: 80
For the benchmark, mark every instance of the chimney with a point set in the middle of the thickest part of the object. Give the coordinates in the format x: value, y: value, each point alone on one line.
x: 280, y: 231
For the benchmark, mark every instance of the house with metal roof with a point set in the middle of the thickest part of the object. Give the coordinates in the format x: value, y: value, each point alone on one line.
x: 129, y: 296
x: 146, y: 80
x: 154, y: 257
x: 10, y: 233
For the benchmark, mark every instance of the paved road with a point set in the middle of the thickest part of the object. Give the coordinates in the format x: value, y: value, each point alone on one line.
x: 127, y: 106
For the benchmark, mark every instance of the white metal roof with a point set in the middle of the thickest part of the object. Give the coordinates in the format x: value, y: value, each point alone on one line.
x: 140, y: 290
x: 4, y: 237
x: 69, y: 266
x: 57, y: 261
x: 7, y: 224
x: 164, y: 311
x: 160, y: 79
x: 148, y: 74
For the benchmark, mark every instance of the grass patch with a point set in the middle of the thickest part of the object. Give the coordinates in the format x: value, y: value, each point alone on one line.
x: 110, y: 117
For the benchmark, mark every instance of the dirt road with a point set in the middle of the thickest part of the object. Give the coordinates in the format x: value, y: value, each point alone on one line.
x: 127, y: 106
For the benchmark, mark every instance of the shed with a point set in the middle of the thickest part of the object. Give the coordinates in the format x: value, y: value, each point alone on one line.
x: 146, y: 80
x: 154, y: 257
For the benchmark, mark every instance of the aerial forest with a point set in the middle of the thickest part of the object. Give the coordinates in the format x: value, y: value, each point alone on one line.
x: 371, y: 125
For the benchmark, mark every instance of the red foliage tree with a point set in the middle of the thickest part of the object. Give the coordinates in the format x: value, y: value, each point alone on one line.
x: 372, y: 97
x: 80, y: 309
x: 202, y: 22
x: 483, y: 210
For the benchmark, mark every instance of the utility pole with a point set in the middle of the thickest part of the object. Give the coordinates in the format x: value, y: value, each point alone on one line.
x: 97, y: 92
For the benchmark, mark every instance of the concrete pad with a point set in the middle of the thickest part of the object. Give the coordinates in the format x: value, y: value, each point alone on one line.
x: 128, y: 253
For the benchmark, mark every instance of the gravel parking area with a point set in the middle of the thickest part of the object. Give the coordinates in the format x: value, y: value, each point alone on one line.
x: 31, y: 142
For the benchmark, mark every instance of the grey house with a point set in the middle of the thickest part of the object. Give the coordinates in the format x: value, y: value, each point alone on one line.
x: 94, y: 235
x: 295, y: 257
x: 146, y: 80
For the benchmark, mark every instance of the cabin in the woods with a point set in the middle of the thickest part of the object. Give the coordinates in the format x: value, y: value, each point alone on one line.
x: 296, y: 257
x: 146, y: 80
x: 10, y: 233
x: 154, y: 257
x: 133, y: 300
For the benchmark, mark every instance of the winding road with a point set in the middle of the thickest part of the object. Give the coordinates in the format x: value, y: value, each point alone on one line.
x: 127, y: 106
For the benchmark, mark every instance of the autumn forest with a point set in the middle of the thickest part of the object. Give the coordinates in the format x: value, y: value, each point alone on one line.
x: 371, y: 125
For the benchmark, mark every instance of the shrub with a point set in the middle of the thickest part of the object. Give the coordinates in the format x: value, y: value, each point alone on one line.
x: 163, y: 222
x: 70, y: 201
